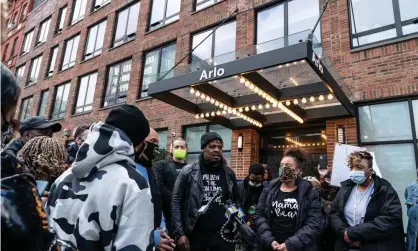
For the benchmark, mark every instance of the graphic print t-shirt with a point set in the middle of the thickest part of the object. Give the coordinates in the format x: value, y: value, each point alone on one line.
x: 213, y: 179
x: 285, y: 213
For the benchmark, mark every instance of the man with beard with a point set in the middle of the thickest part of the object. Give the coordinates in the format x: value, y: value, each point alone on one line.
x: 194, y: 187
x: 144, y: 167
x: 166, y: 172
x: 250, y: 190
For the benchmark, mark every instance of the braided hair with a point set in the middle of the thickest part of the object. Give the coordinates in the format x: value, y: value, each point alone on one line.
x: 44, y: 157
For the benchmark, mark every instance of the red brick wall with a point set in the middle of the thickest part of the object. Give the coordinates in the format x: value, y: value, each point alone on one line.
x: 349, y: 124
x: 241, y: 160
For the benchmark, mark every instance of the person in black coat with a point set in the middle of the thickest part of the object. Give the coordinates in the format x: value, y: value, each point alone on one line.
x: 289, y: 216
x: 366, y: 215
x: 80, y: 136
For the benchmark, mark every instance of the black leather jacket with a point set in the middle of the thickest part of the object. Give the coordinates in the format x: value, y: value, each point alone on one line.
x: 188, y: 197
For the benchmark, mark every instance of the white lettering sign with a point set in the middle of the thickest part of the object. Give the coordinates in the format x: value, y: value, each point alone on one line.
x: 317, y: 63
x: 212, y: 74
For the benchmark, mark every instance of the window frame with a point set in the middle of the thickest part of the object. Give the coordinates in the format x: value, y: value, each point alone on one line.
x: 88, y: 75
x: 61, y: 19
x: 97, y: 7
x: 6, y: 47
x: 127, y: 37
x: 50, y: 72
x: 13, y: 51
x: 65, y: 50
x: 195, y: 5
x: 40, y: 103
x: 22, y: 51
x: 160, y: 50
x: 162, y: 22
x: 46, y: 31
x: 159, y: 130
x: 23, y: 13
x: 31, y: 81
x: 80, y: 17
x: 211, y: 28
x: 95, y: 50
x: 119, y: 64
x: 413, y: 140
x: 27, y: 107
x: 15, y: 19
x: 18, y: 79
x: 207, y: 129
x: 55, y: 100
x: 397, y: 25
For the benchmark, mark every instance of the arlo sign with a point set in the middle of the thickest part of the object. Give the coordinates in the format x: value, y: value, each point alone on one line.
x: 205, y: 75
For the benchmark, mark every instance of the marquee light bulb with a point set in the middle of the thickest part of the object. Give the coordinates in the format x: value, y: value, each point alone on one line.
x: 218, y: 113
x: 203, y: 96
x: 330, y: 96
x: 197, y: 94
x: 216, y: 103
x: 207, y: 115
x: 260, y: 107
x: 212, y: 114
x: 207, y: 98
x: 267, y: 106
x: 234, y: 111
x: 192, y: 90
x: 221, y: 106
x: 304, y: 100
x: 288, y: 103
x: 321, y: 98
x: 247, y: 83
x: 312, y: 99
x: 212, y: 101
x: 295, y: 102
x: 240, y: 109
x: 256, y: 89
x: 223, y: 112
x: 197, y: 116
x: 242, y: 80
x: 247, y: 109
x: 253, y: 107
x: 202, y: 115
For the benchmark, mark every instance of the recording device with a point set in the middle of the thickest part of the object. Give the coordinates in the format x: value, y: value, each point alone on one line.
x: 323, y: 162
x: 41, y: 185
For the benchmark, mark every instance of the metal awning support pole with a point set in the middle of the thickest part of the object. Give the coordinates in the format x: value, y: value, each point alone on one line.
x: 317, y: 21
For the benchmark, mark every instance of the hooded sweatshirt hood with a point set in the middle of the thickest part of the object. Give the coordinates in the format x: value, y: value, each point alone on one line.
x: 105, y: 145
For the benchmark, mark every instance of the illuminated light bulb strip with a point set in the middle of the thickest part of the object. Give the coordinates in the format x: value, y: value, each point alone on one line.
x: 224, y: 108
x: 303, y: 145
x: 270, y: 99
x: 294, y: 81
x: 323, y: 136
x: 293, y: 141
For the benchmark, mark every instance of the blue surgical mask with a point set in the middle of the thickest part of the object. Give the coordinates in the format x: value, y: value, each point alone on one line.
x: 358, y: 177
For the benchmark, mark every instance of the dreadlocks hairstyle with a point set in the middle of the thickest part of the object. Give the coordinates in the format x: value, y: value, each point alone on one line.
x: 356, y: 157
x: 298, y: 155
x: 80, y: 130
x: 44, y: 157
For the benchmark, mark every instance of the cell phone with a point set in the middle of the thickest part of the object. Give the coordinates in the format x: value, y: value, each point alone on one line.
x: 41, y: 185
x: 323, y: 162
x: 51, y: 182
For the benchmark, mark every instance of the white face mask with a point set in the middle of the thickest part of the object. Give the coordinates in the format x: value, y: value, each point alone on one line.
x: 254, y: 184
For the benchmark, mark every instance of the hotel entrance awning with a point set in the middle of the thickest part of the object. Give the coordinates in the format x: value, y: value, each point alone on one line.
x: 288, y: 79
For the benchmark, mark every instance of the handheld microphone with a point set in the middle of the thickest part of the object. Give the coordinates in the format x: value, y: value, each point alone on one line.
x: 205, y: 208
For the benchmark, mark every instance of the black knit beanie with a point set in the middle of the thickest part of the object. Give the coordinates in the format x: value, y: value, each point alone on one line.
x: 209, y: 137
x: 132, y: 121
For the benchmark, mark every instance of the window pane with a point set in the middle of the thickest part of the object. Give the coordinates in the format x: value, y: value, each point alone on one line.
x: 44, y: 31
x: 91, y: 88
x: 397, y: 165
x: 133, y: 19
x: 204, y: 51
x: 270, y: 24
x: 63, y: 12
x: 385, y: 122
x: 121, y: 27
x: 23, y: 13
x: 163, y: 138
x: 91, y: 41
x: 193, y: 135
x: 303, y: 14
x: 415, y: 109
x: 376, y: 37
x: 42, y: 106
x: 67, y: 54
x: 204, y: 5
x: 100, y: 38
x: 409, y: 29
x: 79, y: 10
x: 25, y: 108
x: 173, y: 7
x: 19, y: 73
x: 409, y: 9
x: 82, y: 91
x: 150, y: 69
x: 157, y: 13
x: 27, y: 42
x: 225, y: 133
x: 192, y: 157
x: 34, y: 70
x: 74, y: 49
x: 64, y: 100
x: 52, y: 62
x: 227, y: 157
x: 361, y: 20
x: 168, y: 56
x: 225, y: 43
x: 118, y: 83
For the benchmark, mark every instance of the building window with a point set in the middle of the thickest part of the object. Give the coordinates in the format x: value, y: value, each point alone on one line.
x: 42, y: 103
x: 79, y: 10
x: 126, y: 25
x: 19, y: 73
x: 95, y: 40
x: 395, y: 19
x: 27, y: 42
x: 218, y: 46
x: 25, y: 108
x: 5, y: 52
x: 15, y: 17
x: 23, y: 13
x: 162, y: 134
x: 60, y: 103
x: 70, y: 54
x: 163, y: 13
x: 13, y: 51
x: 201, y: 4
x: 388, y: 130
x: 289, y: 20
x: 100, y: 3
x: 86, y: 93
x: 52, y: 60
x: 37, y: 3
x: 156, y: 65
x: 62, y: 13
x: 43, y: 31
x: 117, y: 83
x: 34, y: 70
x: 193, y: 135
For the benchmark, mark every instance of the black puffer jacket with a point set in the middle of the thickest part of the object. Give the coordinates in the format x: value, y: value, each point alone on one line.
x: 311, y: 220
x: 188, y: 197
x: 382, y: 228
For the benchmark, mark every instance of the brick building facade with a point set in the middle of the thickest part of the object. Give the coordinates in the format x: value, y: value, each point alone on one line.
x: 378, y: 62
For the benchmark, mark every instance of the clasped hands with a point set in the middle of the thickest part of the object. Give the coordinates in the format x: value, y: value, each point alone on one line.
x: 353, y: 244
x: 278, y: 247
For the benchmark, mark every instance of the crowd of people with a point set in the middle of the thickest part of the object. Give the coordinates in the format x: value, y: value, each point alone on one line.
x: 106, y: 192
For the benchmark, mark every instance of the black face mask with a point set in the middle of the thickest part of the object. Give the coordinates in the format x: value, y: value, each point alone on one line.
x: 150, y: 152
